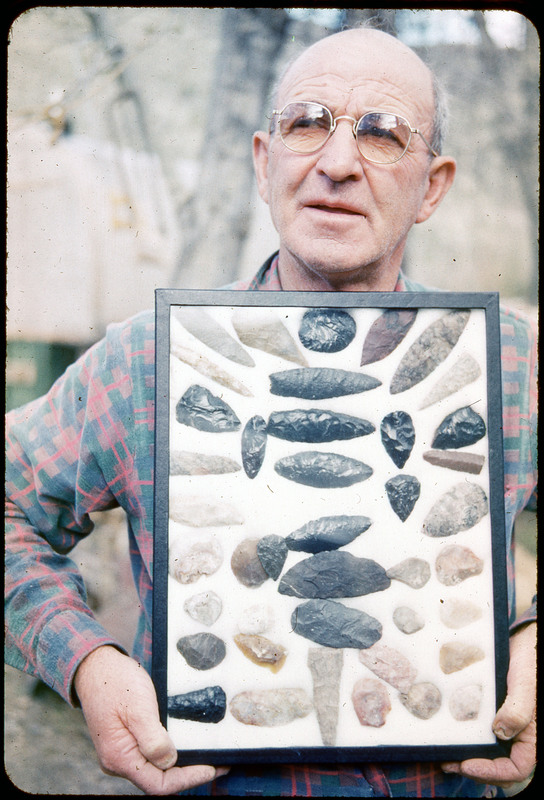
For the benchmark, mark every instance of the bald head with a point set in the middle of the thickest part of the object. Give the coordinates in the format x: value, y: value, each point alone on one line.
x: 367, y: 54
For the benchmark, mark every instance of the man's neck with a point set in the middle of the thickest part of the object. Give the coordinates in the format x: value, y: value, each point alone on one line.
x: 300, y: 278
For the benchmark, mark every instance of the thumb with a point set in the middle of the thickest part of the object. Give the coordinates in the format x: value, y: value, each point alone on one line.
x: 517, y: 710
x: 154, y: 742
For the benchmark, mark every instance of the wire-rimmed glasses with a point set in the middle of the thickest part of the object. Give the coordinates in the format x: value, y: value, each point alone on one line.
x: 382, y: 137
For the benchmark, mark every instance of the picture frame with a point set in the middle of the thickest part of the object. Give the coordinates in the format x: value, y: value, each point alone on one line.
x: 329, y: 550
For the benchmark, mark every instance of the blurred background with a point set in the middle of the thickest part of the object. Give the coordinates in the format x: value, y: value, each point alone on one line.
x: 129, y: 168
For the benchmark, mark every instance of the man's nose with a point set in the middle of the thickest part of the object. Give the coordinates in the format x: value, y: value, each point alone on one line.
x: 340, y: 158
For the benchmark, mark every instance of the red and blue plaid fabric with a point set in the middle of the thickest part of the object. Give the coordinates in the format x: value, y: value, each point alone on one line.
x: 88, y: 445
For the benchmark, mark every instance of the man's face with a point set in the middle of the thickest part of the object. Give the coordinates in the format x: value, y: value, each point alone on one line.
x: 341, y: 218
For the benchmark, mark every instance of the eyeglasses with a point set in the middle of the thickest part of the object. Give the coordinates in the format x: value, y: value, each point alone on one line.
x: 381, y: 137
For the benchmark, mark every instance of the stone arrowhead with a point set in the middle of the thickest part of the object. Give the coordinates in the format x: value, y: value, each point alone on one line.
x: 332, y: 624
x: 429, y: 350
x: 322, y: 470
x: 203, y: 705
x: 334, y: 573
x: 327, y: 330
x: 459, y: 429
x: 398, y: 436
x: 254, y: 439
x: 403, y: 493
x: 202, y: 410
x: 386, y: 333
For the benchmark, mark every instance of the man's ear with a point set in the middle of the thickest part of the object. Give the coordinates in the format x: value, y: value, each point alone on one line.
x: 440, y: 179
x: 260, y: 162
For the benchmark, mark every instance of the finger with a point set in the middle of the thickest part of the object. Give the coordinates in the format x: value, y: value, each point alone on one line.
x: 517, y: 710
x: 154, y: 781
x: 501, y: 771
x: 156, y: 746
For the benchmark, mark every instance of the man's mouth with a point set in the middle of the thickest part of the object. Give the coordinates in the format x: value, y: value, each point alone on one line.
x: 334, y: 209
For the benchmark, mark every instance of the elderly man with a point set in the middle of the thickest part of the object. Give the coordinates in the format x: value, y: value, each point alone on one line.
x: 351, y: 162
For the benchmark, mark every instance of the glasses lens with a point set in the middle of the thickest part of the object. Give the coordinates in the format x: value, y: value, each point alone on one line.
x: 305, y: 127
x: 383, y: 137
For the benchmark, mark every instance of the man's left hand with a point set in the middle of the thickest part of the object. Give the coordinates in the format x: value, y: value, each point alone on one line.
x: 515, y: 720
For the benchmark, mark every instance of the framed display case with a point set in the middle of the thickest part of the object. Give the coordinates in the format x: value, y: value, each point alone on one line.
x: 329, y: 564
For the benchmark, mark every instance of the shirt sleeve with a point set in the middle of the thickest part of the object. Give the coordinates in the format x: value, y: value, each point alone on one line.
x: 67, y: 454
x: 520, y: 409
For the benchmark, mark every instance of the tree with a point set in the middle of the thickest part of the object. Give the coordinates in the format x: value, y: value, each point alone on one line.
x: 215, y: 221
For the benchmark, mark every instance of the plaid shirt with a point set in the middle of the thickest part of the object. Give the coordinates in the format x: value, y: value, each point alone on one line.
x: 88, y: 445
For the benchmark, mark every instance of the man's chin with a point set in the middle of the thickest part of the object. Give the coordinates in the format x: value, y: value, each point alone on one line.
x: 334, y: 273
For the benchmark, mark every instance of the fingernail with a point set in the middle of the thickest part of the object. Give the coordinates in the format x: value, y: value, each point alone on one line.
x: 167, y: 762
x: 450, y: 767
x: 220, y: 771
x: 502, y: 733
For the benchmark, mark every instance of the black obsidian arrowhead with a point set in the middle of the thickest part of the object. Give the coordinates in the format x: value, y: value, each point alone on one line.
x: 253, y: 445
x: 334, y: 573
x: 403, y: 493
x: 272, y: 552
x: 319, y: 383
x: 327, y: 533
x: 201, y: 409
x: 332, y: 624
x: 322, y: 470
x: 327, y: 330
x: 398, y: 436
x: 465, y: 426
x: 203, y: 705
x: 316, y: 425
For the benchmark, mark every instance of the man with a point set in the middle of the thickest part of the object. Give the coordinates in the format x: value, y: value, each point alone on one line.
x: 343, y: 205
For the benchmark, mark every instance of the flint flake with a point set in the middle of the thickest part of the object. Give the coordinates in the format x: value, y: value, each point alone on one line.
x: 422, y: 700
x: 371, y: 702
x: 455, y: 656
x: 246, y: 564
x: 414, y: 572
x: 459, y: 509
x: 261, y: 650
x: 456, y: 563
x: 270, y: 707
x: 202, y: 651
x: 389, y: 665
x: 272, y: 552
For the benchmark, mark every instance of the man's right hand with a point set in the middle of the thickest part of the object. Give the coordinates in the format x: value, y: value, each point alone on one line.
x: 120, y: 707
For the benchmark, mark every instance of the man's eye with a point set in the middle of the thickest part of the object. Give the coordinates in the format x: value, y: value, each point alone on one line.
x: 383, y: 133
x: 308, y: 122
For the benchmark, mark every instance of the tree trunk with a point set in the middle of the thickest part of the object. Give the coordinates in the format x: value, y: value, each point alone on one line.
x: 216, y: 220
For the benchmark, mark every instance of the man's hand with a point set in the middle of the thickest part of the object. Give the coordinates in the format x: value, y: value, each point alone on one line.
x: 120, y: 707
x: 514, y: 721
